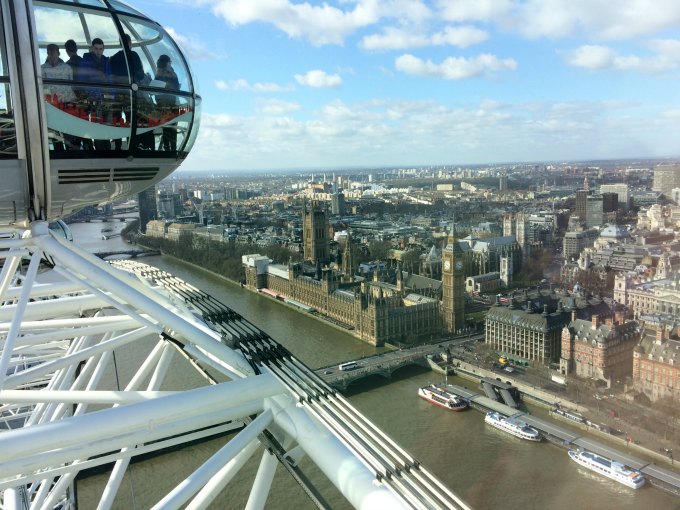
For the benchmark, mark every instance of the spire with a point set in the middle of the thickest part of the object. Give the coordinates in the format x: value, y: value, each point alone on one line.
x: 347, y: 262
x: 400, y: 277
x: 453, y: 234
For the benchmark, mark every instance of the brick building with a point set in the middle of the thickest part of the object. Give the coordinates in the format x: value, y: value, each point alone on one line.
x: 656, y: 359
x: 597, y: 350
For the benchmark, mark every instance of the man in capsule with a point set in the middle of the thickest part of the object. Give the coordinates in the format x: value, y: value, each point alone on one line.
x: 95, y: 68
x: 119, y: 64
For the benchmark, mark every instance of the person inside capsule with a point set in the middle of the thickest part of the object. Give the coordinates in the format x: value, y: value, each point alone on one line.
x: 55, y: 68
x: 95, y: 68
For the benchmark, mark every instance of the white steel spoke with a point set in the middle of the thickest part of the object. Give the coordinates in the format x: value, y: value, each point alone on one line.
x: 87, y: 379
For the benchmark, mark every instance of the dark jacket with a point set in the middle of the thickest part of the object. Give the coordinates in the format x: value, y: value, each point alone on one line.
x: 74, y: 62
x: 119, y: 68
x: 94, y: 71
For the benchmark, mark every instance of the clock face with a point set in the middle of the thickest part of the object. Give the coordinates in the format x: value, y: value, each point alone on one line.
x: 459, y: 264
x: 447, y: 265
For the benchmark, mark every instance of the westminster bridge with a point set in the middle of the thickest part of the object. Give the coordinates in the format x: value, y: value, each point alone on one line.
x: 386, y: 363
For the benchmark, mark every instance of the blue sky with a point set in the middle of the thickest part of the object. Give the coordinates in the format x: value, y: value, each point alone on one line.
x: 373, y: 83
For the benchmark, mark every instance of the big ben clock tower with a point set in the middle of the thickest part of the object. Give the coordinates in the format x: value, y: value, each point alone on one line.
x: 453, y: 285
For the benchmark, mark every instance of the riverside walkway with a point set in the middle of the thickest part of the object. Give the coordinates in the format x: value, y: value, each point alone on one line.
x: 569, y: 438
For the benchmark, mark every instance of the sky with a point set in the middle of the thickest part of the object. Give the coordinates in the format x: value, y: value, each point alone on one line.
x: 287, y: 84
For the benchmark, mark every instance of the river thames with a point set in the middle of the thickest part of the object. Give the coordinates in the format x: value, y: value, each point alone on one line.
x: 488, y: 468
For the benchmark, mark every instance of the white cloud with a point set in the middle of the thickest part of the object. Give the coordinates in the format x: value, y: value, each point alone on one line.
x: 384, y: 132
x: 394, y: 38
x: 241, y: 84
x: 599, y: 19
x: 454, y: 68
x: 665, y: 57
x: 591, y: 57
x: 320, y: 24
x: 57, y: 26
x: 193, y: 48
x: 672, y: 114
x: 474, y: 10
x: 277, y: 107
x: 462, y: 37
x: 490, y: 104
x: 319, y: 79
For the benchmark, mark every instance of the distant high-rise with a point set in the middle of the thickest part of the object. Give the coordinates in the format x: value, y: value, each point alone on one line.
x: 666, y: 177
x: 338, y: 204
x: 315, y: 232
x: 610, y: 202
x: 581, y: 200
x: 675, y: 195
x: 147, y: 207
x: 621, y: 189
x: 503, y: 182
x: 594, y: 208
x: 170, y: 205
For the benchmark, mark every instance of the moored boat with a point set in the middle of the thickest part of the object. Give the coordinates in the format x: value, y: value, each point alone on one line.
x: 442, y: 398
x: 610, y: 468
x: 512, y: 426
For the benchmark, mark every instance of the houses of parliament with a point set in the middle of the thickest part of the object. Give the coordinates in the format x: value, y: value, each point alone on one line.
x: 376, y: 311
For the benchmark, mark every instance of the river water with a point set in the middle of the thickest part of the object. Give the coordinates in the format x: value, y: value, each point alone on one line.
x: 488, y: 468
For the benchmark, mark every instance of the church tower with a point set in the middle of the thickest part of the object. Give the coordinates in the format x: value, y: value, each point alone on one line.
x: 315, y: 233
x: 453, y: 285
x: 663, y: 267
x: 522, y: 235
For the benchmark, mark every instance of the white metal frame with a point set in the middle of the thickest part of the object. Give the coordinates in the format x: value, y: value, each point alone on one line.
x: 60, y: 331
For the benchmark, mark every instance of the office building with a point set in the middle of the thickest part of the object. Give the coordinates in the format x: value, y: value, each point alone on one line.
x: 338, y: 204
x: 581, y: 204
x: 666, y: 177
x: 610, y: 202
x: 594, y: 209
x: 526, y: 332
x: 147, y: 207
x: 576, y: 241
x: 621, y: 190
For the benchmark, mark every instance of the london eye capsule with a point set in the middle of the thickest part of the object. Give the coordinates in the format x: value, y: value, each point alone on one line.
x: 97, y: 102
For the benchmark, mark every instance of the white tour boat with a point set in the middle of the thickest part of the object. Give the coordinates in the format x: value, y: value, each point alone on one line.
x: 442, y: 398
x: 610, y: 468
x: 513, y: 426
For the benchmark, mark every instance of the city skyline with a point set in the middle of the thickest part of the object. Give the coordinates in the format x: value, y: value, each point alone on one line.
x: 289, y: 84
